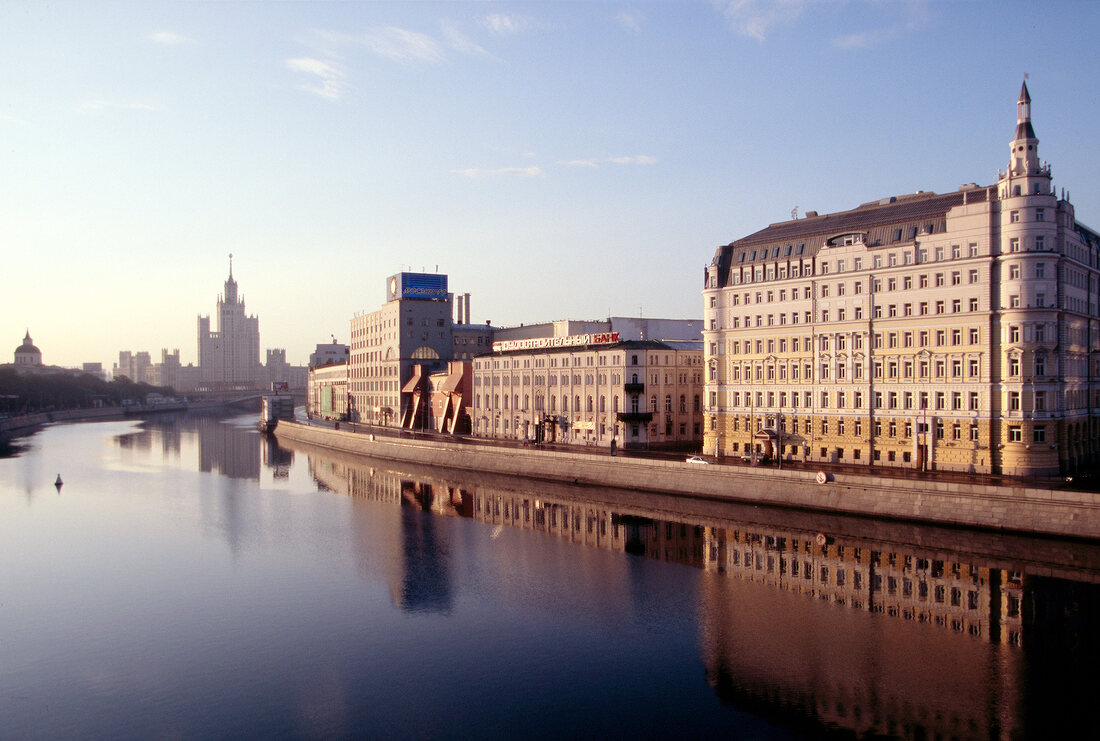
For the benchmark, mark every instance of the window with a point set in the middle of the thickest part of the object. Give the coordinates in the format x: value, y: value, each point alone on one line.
x: 1015, y: 434
x: 1014, y: 244
x: 1039, y: 434
x: 1014, y: 271
x: 1014, y: 216
x: 1014, y: 401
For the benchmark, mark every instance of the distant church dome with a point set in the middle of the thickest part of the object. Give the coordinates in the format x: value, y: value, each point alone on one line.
x: 27, y: 353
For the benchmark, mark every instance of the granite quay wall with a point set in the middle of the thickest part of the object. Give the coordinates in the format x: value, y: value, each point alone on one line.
x: 1023, y: 509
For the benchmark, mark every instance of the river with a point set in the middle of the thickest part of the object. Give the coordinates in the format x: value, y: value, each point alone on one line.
x: 192, y: 579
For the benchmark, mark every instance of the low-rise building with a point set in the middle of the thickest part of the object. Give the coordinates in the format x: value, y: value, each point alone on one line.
x: 327, y: 393
x: 594, y: 388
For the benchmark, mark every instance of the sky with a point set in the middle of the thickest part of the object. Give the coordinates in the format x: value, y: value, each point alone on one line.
x: 558, y: 160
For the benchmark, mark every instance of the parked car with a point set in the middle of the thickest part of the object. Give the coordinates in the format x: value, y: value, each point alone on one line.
x: 698, y: 459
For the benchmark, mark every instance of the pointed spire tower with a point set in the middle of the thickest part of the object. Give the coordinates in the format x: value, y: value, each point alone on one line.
x: 1026, y: 175
x: 230, y: 284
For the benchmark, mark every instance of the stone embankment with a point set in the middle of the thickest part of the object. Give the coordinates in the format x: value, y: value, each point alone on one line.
x: 1014, y: 508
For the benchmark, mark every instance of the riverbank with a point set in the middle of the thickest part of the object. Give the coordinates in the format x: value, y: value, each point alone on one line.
x: 11, y: 425
x: 1023, y: 508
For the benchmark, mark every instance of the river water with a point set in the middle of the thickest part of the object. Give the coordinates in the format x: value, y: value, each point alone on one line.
x: 192, y: 579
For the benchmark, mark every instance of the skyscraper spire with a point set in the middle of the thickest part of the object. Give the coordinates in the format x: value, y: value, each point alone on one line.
x: 230, y: 266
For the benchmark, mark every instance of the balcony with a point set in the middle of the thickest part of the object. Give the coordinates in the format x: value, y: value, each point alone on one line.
x: 633, y: 388
x: 635, y: 417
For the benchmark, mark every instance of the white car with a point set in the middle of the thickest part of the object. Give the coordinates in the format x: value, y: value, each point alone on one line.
x: 698, y: 459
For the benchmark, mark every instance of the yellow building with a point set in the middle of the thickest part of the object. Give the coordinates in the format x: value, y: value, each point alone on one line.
x: 955, y: 331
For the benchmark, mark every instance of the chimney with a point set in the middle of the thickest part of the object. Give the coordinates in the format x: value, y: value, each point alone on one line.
x: 467, y: 305
x: 458, y: 310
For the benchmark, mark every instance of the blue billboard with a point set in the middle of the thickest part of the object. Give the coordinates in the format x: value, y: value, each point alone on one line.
x: 428, y: 286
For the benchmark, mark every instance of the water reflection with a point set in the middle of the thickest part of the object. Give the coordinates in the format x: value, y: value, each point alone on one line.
x: 814, y: 621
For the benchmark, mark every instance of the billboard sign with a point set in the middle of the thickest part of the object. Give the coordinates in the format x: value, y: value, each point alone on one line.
x: 573, y: 340
x: 428, y: 286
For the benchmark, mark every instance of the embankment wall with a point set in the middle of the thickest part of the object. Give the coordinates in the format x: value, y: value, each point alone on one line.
x: 1023, y: 509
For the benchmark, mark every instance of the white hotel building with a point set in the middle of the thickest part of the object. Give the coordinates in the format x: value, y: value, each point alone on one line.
x: 955, y: 331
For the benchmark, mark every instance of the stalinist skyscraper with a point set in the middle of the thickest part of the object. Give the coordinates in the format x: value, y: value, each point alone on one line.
x: 231, y: 355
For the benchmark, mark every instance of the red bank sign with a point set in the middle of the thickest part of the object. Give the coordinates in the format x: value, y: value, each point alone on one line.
x: 573, y: 340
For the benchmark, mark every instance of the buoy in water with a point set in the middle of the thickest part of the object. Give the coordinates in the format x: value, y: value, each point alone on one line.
x: 59, y: 482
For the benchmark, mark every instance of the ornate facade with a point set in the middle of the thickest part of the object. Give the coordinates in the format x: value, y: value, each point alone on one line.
x: 955, y: 331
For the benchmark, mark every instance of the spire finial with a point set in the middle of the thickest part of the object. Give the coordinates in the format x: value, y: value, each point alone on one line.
x: 230, y: 264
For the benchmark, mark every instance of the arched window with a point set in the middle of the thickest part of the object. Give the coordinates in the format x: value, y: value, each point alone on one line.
x: 683, y: 403
x: 653, y: 403
x: 668, y: 403
x: 588, y: 404
x: 603, y: 403
x: 425, y: 353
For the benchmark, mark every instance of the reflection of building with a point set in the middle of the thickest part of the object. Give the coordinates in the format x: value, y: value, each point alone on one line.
x: 232, y: 451
x: 940, y: 331
x: 27, y: 353
x: 592, y: 387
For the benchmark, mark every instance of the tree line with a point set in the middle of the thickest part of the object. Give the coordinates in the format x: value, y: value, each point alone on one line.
x: 28, y: 393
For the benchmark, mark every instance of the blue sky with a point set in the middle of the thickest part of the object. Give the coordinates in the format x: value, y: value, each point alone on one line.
x: 557, y: 160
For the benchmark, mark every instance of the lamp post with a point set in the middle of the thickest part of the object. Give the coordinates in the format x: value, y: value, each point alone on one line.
x: 779, y: 437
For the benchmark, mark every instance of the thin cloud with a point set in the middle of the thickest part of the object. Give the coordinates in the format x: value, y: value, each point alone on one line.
x: 330, y: 79
x: 916, y: 19
x: 169, y: 38
x: 401, y: 45
x: 757, y: 18
x: 637, y: 159
x: 100, y: 105
x: 505, y: 25
x: 14, y: 119
x: 630, y: 20
x: 474, y: 172
x: 460, y: 42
